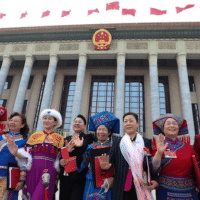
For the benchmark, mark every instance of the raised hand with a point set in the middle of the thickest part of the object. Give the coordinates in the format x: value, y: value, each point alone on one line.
x: 69, y: 145
x: 156, y: 162
x: 161, y: 147
x: 104, y: 162
x: 78, y: 142
x: 13, y: 148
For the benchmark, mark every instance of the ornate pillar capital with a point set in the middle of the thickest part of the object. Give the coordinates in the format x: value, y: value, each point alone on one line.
x: 53, y: 59
x: 153, y: 58
x: 181, y: 59
x: 7, y: 60
x: 121, y: 58
x: 82, y: 59
x: 29, y: 60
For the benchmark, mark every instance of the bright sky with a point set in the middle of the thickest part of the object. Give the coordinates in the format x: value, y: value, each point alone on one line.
x: 79, y: 10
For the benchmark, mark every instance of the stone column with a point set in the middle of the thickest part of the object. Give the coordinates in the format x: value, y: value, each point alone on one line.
x: 119, y: 107
x: 48, y: 89
x: 185, y: 94
x: 154, y: 88
x: 7, y: 60
x: 79, y: 89
x: 23, y: 84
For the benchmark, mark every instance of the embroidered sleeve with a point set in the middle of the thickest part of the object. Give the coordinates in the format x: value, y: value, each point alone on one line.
x: 23, y: 175
x: 156, y: 164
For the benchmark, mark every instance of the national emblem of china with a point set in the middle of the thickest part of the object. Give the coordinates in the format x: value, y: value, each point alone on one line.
x: 102, y: 39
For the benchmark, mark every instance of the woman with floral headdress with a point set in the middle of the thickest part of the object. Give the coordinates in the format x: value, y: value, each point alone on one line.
x: 42, y: 153
x: 104, y: 124
x: 173, y: 155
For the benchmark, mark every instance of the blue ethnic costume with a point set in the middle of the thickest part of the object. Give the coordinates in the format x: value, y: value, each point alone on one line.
x: 176, y: 181
x: 112, y: 124
x: 5, y: 158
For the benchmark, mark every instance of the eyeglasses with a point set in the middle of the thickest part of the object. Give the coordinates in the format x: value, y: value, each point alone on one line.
x: 78, y: 122
x: 102, y: 129
x: 171, y: 123
x: 130, y: 121
x: 14, y: 121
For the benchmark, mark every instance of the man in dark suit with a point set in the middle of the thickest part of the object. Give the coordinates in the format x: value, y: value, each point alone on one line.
x: 122, y: 190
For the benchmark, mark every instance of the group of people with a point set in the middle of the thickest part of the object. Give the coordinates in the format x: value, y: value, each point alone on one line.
x: 107, y: 166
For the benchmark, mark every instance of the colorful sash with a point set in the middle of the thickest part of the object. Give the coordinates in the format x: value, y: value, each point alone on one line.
x: 133, y: 153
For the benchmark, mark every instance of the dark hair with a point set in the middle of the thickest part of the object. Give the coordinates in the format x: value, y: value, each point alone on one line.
x: 82, y: 117
x: 24, y: 131
x: 131, y: 113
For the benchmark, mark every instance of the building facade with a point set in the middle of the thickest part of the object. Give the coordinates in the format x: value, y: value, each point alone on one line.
x: 150, y: 69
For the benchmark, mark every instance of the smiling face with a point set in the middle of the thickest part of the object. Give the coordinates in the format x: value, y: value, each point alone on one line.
x: 49, y: 122
x: 102, y: 133
x: 15, y: 124
x: 78, y: 125
x: 171, y: 128
x: 130, y: 125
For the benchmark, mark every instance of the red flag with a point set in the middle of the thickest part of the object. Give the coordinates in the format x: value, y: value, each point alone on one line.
x: 112, y: 6
x: 155, y: 11
x: 65, y: 13
x: 179, y: 9
x: 23, y: 15
x: 2, y: 15
x: 128, y: 12
x: 92, y: 11
x: 46, y: 13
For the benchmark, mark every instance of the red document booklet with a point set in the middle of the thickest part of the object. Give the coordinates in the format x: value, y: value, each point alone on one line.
x: 71, y: 165
x: 99, y: 176
x: 13, y: 176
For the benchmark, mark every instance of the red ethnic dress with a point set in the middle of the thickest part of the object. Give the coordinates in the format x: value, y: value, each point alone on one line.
x: 176, y: 181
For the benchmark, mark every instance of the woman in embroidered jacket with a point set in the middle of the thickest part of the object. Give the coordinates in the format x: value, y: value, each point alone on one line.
x: 174, y: 158
x: 18, y: 133
x: 104, y: 124
x: 127, y: 155
x: 42, y: 150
